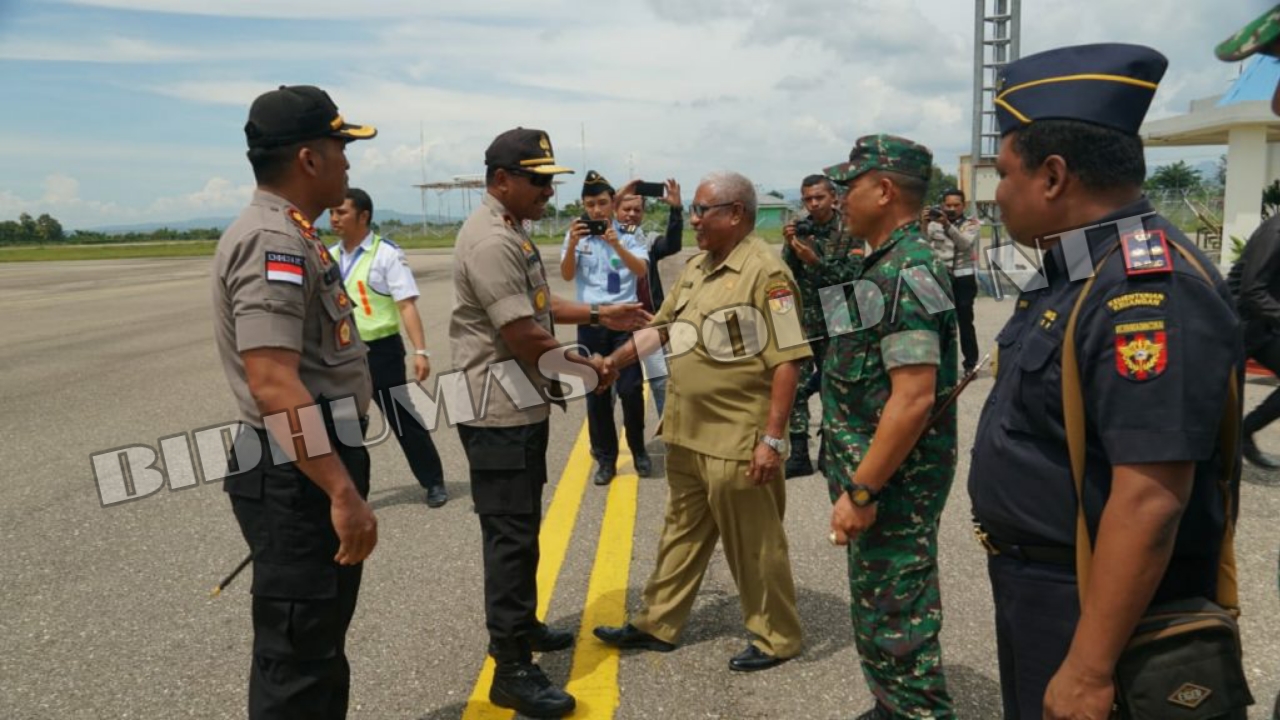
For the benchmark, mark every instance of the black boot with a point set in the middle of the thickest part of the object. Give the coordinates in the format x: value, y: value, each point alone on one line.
x: 520, y: 685
x: 1256, y: 456
x: 798, y: 464
x: 822, y: 452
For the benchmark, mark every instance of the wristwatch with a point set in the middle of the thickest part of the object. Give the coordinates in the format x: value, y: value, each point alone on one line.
x: 595, y: 313
x: 862, y: 495
x: 423, y: 353
x: 778, y: 444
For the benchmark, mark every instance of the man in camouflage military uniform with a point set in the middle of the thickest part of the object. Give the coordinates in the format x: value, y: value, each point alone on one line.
x: 809, y: 243
x: 888, y: 469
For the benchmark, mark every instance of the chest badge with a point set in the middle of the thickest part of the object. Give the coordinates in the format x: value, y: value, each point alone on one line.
x: 343, y: 332
x: 1048, y: 319
x: 1146, y: 252
x: 540, y: 300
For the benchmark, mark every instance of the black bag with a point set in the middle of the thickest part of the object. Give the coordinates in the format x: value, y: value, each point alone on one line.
x: 1184, y: 660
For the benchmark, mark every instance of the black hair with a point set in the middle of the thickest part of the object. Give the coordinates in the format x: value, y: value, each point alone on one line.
x: 812, y: 180
x: 912, y: 188
x: 361, y: 201
x: 952, y: 191
x: 271, y: 164
x: 1103, y: 158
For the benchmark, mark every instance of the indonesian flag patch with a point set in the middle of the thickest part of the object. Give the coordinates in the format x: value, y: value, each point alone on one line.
x: 1141, y: 350
x: 283, y: 267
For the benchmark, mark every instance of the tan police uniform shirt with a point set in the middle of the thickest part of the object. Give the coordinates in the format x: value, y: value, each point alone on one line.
x: 275, y: 286
x: 730, y: 327
x: 498, y: 278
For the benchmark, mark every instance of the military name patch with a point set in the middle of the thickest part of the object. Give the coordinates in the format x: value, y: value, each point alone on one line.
x: 283, y: 267
x: 1145, y: 252
x: 1136, y: 299
x: 1141, y: 350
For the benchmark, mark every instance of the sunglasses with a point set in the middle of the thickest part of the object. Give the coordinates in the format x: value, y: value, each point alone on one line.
x: 537, y: 180
x: 699, y: 210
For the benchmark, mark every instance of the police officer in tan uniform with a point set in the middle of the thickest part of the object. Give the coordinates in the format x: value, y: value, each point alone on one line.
x: 501, y: 332
x: 287, y: 342
x: 728, y: 402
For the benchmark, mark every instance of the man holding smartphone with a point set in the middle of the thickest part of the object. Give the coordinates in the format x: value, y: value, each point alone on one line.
x: 809, y: 241
x: 607, y: 267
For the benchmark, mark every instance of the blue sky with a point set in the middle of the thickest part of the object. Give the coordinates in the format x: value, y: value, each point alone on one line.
x: 132, y: 111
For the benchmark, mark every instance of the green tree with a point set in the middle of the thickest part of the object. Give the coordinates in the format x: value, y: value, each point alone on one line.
x: 10, y: 233
x: 48, y: 229
x: 939, y: 182
x: 1179, y: 177
x: 28, y: 224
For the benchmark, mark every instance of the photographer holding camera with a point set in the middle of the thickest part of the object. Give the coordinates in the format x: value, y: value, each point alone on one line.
x: 953, y: 237
x: 810, y: 241
x: 607, y: 266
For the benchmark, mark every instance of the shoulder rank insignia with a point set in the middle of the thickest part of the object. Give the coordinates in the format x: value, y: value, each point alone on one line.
x: 308, y: 230
x: 1141, y: 350
x: 1145, y: 252
x: 781, y: 297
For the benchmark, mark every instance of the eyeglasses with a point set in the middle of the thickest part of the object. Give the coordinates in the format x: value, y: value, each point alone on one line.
x: 699, y: 210
x: 537, y: 180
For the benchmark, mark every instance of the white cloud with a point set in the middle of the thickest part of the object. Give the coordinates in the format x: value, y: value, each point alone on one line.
x: 774, y: 88
x: 108, y: 49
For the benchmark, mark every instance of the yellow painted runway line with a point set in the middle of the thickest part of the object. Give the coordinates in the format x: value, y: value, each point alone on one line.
x: 593, y: 680
x: 557, y: 529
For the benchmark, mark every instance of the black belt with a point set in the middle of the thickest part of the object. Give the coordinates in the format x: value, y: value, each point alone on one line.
x: 1046, y: 554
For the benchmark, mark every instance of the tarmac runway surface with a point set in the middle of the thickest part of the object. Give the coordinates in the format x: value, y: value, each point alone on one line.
x: 106, y: 610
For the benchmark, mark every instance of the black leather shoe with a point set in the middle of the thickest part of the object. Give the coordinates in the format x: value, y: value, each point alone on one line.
x: 753, y: 659
x: 604, y: 474
x: 644, y: 466
x: 1255, y: 456
x: 544, y: 639
x: 524, y: 688
x: 628, y: 637
x: 437, y: 496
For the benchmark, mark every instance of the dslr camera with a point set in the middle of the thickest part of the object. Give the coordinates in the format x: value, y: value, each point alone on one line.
x: 804, y: 228
x: 934, y: 212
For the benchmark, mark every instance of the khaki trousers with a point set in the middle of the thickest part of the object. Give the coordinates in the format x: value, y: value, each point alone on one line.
x: 710, y: 498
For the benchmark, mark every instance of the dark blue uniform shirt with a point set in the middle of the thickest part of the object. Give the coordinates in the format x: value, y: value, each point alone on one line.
x: 1155, y: 353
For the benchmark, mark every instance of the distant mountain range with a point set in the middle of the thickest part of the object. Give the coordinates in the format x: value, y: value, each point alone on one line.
x: 222, y: 222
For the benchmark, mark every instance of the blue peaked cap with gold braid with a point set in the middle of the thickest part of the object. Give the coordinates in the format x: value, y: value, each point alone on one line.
x: 1108, y: 84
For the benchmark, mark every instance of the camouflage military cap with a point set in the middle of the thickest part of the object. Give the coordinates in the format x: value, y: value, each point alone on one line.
x: 1253, y: 38
x: 884, y: 152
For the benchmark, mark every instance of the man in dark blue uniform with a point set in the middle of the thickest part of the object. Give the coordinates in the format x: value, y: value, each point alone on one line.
x: 1157, y: 344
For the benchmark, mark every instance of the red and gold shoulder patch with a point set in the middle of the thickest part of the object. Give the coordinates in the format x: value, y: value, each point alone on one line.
x: 343, y: 332
x: 308, y: 230
x: 782, y: 298
x: 1141, y: 350
x: 1146, y: 252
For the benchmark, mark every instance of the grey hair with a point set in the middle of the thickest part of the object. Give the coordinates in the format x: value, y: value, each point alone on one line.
x: 730, y: 186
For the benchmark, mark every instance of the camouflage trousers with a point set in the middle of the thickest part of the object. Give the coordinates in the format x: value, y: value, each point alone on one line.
x: 895, y: 602
x: 810, y: 383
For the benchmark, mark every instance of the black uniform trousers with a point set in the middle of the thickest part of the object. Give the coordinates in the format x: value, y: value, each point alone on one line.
x: 965, y: 288
x: 508, y: 471
x: 302, y: 600
x: 1267, y: 353
x: 386, y: 366
x: 629, y: 387
x: 1037, y: 610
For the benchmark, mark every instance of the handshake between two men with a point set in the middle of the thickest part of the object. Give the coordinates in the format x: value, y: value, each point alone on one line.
x: 600, y: 372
